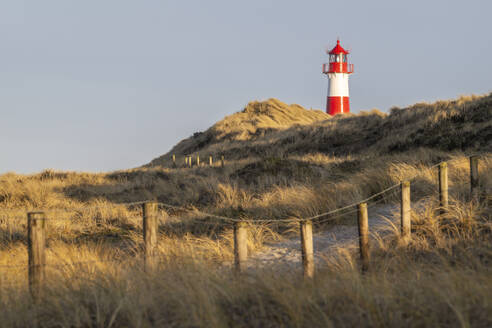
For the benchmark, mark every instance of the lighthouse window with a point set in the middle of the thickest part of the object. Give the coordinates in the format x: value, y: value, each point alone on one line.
x: 344, y: 58
x: 332, y: 58
x: 338, y: 58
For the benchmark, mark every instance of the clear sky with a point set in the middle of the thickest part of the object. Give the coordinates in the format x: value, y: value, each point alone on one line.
x: 98, y: 85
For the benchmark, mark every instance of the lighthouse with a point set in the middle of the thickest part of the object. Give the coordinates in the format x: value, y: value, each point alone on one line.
x: 338, y: 70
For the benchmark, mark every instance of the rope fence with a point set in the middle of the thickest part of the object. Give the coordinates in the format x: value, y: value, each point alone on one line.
x: 36, y: 224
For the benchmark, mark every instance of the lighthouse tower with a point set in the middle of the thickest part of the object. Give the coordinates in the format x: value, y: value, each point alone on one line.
x: 338, y: 70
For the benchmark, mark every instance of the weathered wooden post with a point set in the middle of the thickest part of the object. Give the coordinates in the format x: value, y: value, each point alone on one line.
x: 405, y: 211
x: 240, y: 246
x: 474, y: 190
x: 197, y: 160
x: 307, y: 248
x: 222, y: 161
x: 190, y: 161
x: 210, y: 160
x: 443, y: 187
x: 174, y: 160
x: 36, y: 243
x: 150, y: 234
x: 363, y: 235
x: 186, y: 161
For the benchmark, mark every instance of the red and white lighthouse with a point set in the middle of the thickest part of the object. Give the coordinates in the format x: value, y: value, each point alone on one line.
x: 338, y: 70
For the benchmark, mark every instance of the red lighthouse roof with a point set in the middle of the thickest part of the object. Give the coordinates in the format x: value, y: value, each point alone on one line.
x: 338, y: 50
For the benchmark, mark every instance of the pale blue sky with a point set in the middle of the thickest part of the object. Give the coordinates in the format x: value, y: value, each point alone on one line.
x: 111, y: 84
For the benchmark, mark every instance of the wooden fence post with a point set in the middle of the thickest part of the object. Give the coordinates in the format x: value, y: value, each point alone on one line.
x: 405, y: 211
x: 474, y: 190
x: 36, y: 243
x: 222, y: 162
x: 240, y: 246
x: 443, y: 187
x: 363, y: 235
x: 190, y: 161
x: 307, y: 248
x: 197, y: 160
x: 150, y: 234
x: 174, y: 160
x: 186, y: 161
x: 210, y: 160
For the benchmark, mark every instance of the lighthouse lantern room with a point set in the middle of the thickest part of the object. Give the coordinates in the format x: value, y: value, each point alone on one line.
x: 338, y: 70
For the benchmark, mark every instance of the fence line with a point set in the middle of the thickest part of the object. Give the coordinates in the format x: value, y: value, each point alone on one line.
x: 188, y: 160
x: 36, y: 229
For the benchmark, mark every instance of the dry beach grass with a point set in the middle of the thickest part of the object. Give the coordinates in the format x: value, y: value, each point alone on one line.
x: 281, y: 162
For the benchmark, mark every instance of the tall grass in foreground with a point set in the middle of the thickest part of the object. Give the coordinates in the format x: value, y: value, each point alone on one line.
x: 442, y: 278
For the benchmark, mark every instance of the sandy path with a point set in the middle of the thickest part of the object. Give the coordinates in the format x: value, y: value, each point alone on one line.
x: 287, y: 252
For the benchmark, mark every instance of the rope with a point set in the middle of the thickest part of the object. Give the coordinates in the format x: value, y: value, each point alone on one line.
x: 353, y: 204
x: 294, y: 220
x: 371, y: 205
x: 332, y: 218
x: 225, y: 218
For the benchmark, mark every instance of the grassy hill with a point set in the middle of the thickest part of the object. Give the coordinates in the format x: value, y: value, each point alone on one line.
x: 282, y: 161
x: 254, y: 123
x: 272, y: 128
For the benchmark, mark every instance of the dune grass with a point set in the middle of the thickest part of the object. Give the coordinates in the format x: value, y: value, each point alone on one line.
x: 442, y: 278
x: 282, y: 162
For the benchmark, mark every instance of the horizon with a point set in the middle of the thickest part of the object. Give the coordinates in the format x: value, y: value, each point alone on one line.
x: 99, y: 87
